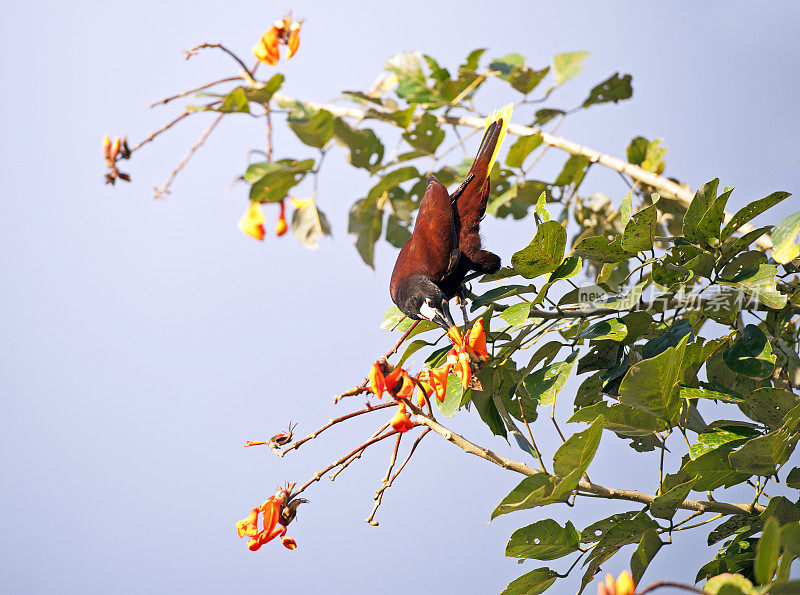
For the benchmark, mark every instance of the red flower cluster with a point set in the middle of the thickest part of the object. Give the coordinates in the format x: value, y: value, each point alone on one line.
x: 276, y: 514
x: 282, y: 32
x: 400, y: 384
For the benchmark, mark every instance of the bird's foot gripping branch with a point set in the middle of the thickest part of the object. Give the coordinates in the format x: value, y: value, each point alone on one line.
x: 678, y: 319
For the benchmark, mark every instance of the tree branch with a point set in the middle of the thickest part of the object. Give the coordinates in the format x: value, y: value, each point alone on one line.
x: 583, y: 486
x: 666, y: 187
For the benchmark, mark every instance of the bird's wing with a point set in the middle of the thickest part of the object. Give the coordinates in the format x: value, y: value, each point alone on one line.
x: 433, y: 247
x: 472, y: 195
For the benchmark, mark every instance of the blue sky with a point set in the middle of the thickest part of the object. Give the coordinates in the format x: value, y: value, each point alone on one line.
x: 145, y: 341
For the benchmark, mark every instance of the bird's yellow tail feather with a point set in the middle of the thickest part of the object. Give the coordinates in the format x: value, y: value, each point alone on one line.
x: 505, y: 114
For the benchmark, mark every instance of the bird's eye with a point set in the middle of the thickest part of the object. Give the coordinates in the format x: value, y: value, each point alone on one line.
x: 427, y: 309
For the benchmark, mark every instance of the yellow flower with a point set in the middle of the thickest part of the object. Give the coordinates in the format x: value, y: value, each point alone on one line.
x: 252, y: 223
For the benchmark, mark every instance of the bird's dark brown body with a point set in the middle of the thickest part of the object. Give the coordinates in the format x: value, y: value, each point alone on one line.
x: 446, y: 244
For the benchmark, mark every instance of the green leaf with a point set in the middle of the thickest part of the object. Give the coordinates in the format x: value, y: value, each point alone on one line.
x: 626, y: 209
x: 613, y: 89
x: 573, y: 458
x: 754, y: 209
x: 671, y: 338
x: 531, y: 492
x: 426, y: 136
x: 483, y: 399
x: 566, y: 66
x: 271, y: 182
x: 599, y: 249
x: 543, y: 116
x: 715, y: 437
x: 620, y: 418
x: 760, y: 283
x: 543, y: 540
x: 702, y: 202
x: 263, y: 92
x: 506, y: 65
x: 648, y: 155
x: 769, y: 406
x: 517, y: 313
x: 392, y: 179
x: 521, y: 148
x: 531, y: 583
x: 674, y: 491
x: 412, y: 348
x: 412, y: 81
x: 762, y: 455
x: 498, y: 293
x: 568, y: 268
x: 541, y: 211
x: 611, y: 329
x: 785, y: 237
x: 728, y: 584
x: 713, y: 470
x: 544, y: 384
x: 308, y: 224
x: 649, y: 545
x: 525, y: 79
x: 366, y: 223
x: 573, y: 171
x: 452, y: 396
x: 767, y: 552
x: 640, y: 231
x: 314, y: 129
x: 366, y: 150
x: 396, y: 232
x: 751, y: 355
x: 545, y: 252
x: 653, y: 385
x: 733, y: 246
x: 235, y: 102
x: 793, y: 478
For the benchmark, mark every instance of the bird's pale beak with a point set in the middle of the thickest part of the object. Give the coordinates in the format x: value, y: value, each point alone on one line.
x: 443, y: 319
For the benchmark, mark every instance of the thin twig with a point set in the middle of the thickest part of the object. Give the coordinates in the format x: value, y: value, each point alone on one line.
x: 318, y: 475
x: 160, y: 192
x: 384, y: 483
x: 347, y: 463
x: 166, y: 100
x: 297, y: 444
x: 660, y: 584
x: 193, y: 50
x: 160, y: 130
x: 362, y: 388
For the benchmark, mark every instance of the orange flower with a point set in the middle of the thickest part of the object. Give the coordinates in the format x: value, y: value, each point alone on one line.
x: 280, y: 226
x: 294, y: 38
x: 377, y: 383
x: 277, y: 512
x: 464, y: 369
x: 252, y: 223
x: 284, y: 32
x: 438, y: 379
x: 476, y: 341
x: 401, y: 421
x: 455, y: 336
x: 407, y: 388
x: 623, y: 586
x: 392, y: 378
x: 426, y: 389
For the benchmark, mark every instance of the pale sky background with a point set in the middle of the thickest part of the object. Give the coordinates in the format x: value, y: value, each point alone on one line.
x: 146, y: 341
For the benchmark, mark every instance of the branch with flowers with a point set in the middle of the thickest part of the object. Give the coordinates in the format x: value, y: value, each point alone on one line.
x: 680, y: 317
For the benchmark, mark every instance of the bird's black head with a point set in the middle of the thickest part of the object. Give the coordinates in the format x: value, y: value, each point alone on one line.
x: 421, y: 299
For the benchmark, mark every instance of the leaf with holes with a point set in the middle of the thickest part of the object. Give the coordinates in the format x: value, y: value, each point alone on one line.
x: 545, y: 252
x: 532, y: 583
x: 366, y: 150
x: 614, y: 88
x: 426, y: 136
x: 543, y: 540
x: 271, y: 181
x: 313, y: 128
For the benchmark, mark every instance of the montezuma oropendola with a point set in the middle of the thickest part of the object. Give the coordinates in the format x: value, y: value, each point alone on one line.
x: 446, y: 243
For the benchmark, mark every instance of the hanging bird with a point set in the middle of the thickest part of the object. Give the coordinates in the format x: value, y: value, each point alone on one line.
x: 446, y: 243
